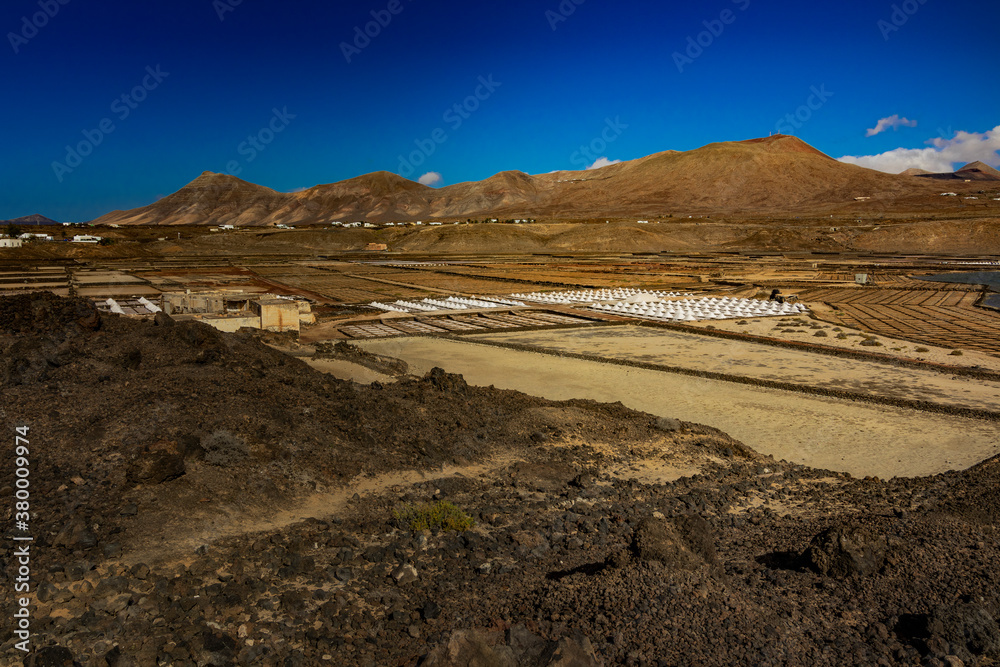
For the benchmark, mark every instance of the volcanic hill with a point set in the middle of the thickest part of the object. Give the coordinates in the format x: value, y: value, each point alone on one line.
x: 772, y: 175
x: 35, y: 219
x: 974, y: 171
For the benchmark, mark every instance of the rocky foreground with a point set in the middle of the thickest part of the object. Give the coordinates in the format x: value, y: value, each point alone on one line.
x: 164, y: 456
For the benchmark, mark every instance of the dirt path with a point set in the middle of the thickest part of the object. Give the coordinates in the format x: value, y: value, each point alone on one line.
x: 320, y: 505
x: 835, y: 434
x: 177, y: 547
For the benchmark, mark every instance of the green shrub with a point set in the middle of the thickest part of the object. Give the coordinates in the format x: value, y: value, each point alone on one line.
x: 956, y: 353
x: 922, y: 349
x: 442, y: 515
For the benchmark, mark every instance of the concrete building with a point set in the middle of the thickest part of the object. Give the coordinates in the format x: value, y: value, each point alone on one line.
x: 233, y: 310
x: 11, y: 243
x: 86, y: 238
x: 277, y: 314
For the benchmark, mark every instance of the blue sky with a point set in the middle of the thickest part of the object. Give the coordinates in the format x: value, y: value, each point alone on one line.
x: 148, y: 95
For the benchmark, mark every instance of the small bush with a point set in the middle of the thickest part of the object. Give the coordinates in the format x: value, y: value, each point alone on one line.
x: 956, y: 353
x: 442, y: 515
x: 821, y: 334
x: 871, y: 342
x: 842, y: 336
x: 923, y: 349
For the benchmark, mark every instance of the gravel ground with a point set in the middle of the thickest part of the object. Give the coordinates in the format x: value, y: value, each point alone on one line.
x: 144, y: 434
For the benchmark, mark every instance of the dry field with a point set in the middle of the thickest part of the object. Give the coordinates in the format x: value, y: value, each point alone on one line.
x: 947, y: 318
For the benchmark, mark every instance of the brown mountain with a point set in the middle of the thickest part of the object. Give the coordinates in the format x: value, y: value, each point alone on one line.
x: 979, y: 171
x: 974, y: 171
x: 35, y: 219
x: 773, y: 175
x: 915, y: 172
x: 377, y: 196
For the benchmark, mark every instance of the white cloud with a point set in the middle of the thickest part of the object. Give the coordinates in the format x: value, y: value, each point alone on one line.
x: 292, y: 192
x: 602, y: 162
x: 431, y: 178
x: 940, y: 157
x: 893, y: 121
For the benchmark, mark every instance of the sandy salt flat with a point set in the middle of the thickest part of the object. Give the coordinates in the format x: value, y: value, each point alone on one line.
x: 693, y: 351
x: 346, y: 370
x: 860, y: 439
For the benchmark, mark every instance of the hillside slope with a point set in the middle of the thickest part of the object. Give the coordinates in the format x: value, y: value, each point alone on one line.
x: 773, y: 175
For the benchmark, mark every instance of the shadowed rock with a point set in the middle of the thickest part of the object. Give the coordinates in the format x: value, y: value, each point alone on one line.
x: 519, y: 648
x: 684, y: 543
x: 968, y: 628
x: 842, y: 551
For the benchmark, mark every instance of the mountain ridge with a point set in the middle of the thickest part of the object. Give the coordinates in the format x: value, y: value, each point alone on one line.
x: 780, y: 174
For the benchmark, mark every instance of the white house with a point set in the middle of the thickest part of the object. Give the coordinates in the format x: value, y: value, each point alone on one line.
x: 86, y: 238
x: 11, y: 243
